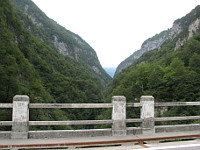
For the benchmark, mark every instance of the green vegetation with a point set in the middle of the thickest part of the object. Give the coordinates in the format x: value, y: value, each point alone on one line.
x: 28, y: 66
x: 165, y: 74
x: 168, y: 75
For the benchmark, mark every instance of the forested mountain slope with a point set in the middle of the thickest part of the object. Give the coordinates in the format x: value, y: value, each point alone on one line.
x: 29, y: 66
x: 169, y: 73
x: 182, y: 30
x: 70, y: 45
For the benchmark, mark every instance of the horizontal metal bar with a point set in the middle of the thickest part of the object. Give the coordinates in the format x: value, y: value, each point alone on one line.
x: 5, y: 123
x: 81, y: 122
x: 6, y: 105
x: 72, y: 105
x: 107, y: 105
x: 177, y: 118
x: 133, y: 105
x: 133, y: 120
x: 97, y: 105
x: 79, y: 105
x: 177, y: 104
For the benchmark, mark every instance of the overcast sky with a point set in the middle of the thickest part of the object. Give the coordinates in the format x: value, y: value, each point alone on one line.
x: 116, y: 28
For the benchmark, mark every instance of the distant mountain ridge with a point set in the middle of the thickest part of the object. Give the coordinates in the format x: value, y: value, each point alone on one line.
x: 110, y: 71
x: 187, y: 26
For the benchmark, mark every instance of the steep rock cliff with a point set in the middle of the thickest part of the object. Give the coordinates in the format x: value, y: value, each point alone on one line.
x: 182, y: 30
x: 148, y: 45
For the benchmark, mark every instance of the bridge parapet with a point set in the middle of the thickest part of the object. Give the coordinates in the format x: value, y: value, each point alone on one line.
x: 20, y: 117
x: 119, y: 116
x: 147, y: 114
x: 20, y: 121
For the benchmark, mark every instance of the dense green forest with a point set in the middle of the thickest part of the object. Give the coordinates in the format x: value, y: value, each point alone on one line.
x: 28, y: 66
x: 175, y: 77
x: 168, y: 75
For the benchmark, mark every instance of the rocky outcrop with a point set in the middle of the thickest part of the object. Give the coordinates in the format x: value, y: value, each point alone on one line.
x: 192, y: 30
x: 78, y: 40
x: 74, y: 49
x: 182, y: 30
x: 150, y: 44
x: 175, y: 30
x: 34, y: 20
x: 61, y: 46
x: 96, y: 69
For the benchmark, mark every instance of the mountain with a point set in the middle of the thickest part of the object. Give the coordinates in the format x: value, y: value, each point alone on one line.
x: 149, y: 44
x: 110, y: 71
x: 169, y: 72
x: 50, y: 64
x: 70, y: 45
x: 188, y: 26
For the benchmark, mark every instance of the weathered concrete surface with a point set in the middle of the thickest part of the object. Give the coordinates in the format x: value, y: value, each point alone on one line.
x: 51, y: 134
x: 119, y: 116
x: 20, y: 117
x: 147, y: 114
x: 77, y: 122
x: 5, y: 135
x: 69, y: 133
x: 71, y: 105
x: 96, y: 133
x: 178, y: 128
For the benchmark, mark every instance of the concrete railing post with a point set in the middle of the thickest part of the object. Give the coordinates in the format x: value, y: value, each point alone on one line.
x: 119, y: 116
x: 147, y: 114
x: 20, y: 117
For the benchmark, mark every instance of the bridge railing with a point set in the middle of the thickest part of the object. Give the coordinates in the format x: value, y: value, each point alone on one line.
x: 20, y: 118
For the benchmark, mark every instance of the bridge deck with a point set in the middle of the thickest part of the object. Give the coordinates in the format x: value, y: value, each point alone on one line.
x: 96, y: 139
